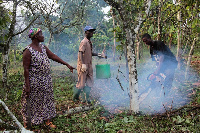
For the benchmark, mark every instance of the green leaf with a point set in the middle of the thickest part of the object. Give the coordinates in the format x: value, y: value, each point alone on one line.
x: 150, y: 29
x: 188, y: 120
x: 187, y: 8
x: 126, y: 119
x: 179, y: 119
x: 107, y: 124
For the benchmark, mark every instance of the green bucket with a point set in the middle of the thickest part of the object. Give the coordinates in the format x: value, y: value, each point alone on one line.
x: 103, y: 71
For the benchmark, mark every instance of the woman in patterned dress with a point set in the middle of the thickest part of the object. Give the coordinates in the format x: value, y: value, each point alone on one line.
x: 38, y: 86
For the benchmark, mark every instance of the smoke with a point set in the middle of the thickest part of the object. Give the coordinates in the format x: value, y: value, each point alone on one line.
x: 113, y: 92
x: 156, y: 100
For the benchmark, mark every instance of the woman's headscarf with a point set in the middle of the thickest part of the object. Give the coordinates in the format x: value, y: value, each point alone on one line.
x: 33, y: 32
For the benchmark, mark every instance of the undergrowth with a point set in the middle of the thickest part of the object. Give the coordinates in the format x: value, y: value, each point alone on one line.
x: 185, y: 119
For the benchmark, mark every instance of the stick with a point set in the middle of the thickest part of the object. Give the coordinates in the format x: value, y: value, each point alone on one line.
x: 23, y: 130
x: 80, y: 109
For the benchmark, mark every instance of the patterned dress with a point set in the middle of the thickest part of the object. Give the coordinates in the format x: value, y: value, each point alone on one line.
x: 41, y: 96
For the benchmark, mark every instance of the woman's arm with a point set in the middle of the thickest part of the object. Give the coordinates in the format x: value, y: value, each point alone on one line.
x: 54, y: 57
x: 26, y: 65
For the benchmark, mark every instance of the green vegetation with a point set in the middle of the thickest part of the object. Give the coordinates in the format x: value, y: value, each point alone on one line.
x: 185, y: 119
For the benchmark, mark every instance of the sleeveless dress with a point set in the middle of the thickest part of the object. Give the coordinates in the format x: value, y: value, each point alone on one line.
x: 41, y: 96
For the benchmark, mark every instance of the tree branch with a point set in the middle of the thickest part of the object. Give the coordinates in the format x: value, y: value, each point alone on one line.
x: 27, y: 26
x: 113, y: 3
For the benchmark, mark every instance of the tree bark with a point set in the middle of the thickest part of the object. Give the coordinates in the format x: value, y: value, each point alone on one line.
x: 138, y: 48
x: 126, y: 59
x: 114, y: 40
x: 178, y: 56
x: 170, y: 40
x: 5, y: 68
x: 50, y: 39
x: 133, y: 81
x: 189, y: 58
x: 159, y: 21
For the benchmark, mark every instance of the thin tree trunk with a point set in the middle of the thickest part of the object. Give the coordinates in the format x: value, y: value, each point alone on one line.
x: 178, y: 56
x: 15, y: 53
x: 159, y: 21
x: 138, y: 48
x: 133, y: 81
x: 189, y: 58
x: 126, y: 59
x: 170, y: 40
x: 114, y: 40
x: 50, y: 39
x: 5, y: 66
x: 186, y: 45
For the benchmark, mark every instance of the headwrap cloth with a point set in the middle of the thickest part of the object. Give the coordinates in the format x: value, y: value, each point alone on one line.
x: 33, y: 32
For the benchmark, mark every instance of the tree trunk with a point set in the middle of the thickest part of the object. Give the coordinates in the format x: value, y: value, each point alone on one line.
x: 159, y: 21
x: 5, y: 69
x: 133, y: 81
x: 50, y: 39
x: 170, y: 40
x: 125, y: 54
x: 178, y: 56
x: 138, y: 48
x: 114, y: 40
x: 186, y: 45
x: 15, y: 49
x: 189, y: 59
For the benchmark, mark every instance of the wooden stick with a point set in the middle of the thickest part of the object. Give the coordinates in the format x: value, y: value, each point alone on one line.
x: 23, y: 130
x: 80, y: 109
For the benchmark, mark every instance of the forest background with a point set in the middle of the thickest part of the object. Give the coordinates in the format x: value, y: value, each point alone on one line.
x: 62, y: 22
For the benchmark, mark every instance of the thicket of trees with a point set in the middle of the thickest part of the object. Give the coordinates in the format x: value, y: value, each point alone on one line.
x: 174, y: 22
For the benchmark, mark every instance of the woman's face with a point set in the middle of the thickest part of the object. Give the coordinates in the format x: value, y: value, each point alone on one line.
x: 40, y: 37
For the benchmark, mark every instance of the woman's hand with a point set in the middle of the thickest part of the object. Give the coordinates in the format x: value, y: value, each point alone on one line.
x: 71, y: 68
